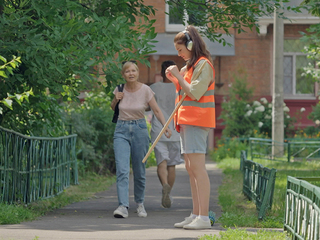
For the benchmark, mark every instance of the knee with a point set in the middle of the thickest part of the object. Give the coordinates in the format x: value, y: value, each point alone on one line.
x: 163, y: 164
x: 190, y: 171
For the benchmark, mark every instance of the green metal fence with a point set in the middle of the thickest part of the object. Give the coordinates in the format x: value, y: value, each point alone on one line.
x: 290, y: 150
x: 304, y: 150
x: 268, y: 149
x: 33, y: 168
x: 302, y: 216
x: 258, y: 183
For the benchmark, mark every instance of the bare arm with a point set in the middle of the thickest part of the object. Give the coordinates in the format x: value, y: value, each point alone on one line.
x: 157, y: 112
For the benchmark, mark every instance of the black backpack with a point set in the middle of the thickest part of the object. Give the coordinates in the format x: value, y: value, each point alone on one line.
x: 116, y: 109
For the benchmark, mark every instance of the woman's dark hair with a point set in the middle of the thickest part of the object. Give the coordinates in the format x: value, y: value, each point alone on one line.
x: 199, y: 48
x: 164, y: 66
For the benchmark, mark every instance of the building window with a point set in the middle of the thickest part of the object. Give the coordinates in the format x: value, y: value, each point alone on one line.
x: 294, y: 60
x: 176, y: 23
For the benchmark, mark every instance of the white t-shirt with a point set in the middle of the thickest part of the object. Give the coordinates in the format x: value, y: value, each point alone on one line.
x: 165, y: 96
x: 134, y: 104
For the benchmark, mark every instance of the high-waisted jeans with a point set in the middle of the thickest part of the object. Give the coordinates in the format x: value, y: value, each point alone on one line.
x: 131, y: 139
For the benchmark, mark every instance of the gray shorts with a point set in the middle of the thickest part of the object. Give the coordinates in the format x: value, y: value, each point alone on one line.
x: 169, y: 151
x: 193, y: 139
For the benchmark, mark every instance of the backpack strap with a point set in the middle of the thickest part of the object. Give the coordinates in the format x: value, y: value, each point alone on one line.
x: 120, y: 87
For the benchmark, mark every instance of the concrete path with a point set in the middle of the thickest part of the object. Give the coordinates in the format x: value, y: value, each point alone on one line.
x: 93, y: 219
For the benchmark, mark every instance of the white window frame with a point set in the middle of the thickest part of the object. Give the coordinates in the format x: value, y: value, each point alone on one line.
x: 294, y: 78
x: 174, y: 27
x: 178, y: 27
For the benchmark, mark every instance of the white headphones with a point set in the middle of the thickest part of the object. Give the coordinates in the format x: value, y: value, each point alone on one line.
x: 189, y: 42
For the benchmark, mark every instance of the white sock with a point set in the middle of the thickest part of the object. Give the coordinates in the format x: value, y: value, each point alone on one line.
x: 193, y: 216
x: 204, y: 218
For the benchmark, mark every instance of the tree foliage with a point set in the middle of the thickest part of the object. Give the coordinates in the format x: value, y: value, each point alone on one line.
x: 60, y: 43
x: 312, y: 38
x: 6, y: 69
x: 91, y: 120
x: 214, y: 17
x: 63, y: 45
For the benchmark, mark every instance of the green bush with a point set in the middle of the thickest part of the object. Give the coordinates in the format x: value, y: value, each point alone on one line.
x: 228, y: 148
x: 245, y: 117
x: 261, y: 112
x: 91, y: 121
x: 234, y: 108
x: 315, y: 117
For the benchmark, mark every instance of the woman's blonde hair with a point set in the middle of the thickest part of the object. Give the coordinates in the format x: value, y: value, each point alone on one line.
x: 127, y: 65
x: 199, y: 48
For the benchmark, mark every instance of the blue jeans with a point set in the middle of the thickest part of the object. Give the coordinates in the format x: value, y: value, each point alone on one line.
x: 131, y: 139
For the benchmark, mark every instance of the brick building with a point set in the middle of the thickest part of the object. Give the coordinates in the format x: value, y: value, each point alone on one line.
x: 250, y: 51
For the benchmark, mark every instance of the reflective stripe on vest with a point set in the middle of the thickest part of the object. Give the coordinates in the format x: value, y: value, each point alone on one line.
x: 197, y: 113
x: 206, y: 101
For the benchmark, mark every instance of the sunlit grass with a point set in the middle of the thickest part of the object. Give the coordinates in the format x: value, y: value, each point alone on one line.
x: 239, y: 212
x: 233, y: 234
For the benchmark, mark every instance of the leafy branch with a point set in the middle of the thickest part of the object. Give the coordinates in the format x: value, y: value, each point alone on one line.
x: 9, y: 66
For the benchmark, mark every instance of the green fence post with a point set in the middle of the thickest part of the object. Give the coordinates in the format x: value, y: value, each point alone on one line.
x: 250, y: 144
x: 289, y: 151
x: 28, y: 176
x: 267, y: 198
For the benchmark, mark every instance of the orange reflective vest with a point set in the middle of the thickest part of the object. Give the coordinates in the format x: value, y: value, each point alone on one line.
x: 193, y: 112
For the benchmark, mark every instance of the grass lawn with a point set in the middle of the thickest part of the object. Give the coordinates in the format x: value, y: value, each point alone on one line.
x: 89, y: 185
x: 234, y: 234
x: 239, y: 212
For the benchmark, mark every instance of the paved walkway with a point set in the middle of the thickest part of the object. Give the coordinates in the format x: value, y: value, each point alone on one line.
x: 93, y: 219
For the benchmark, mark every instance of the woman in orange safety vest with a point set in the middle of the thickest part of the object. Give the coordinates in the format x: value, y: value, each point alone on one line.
x: 194, y: 119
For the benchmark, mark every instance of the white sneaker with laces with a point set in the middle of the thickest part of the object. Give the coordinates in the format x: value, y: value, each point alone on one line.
x: 121, y: 212
x: 198, y: 223
x: 141, y: 211
x: 186, y: 221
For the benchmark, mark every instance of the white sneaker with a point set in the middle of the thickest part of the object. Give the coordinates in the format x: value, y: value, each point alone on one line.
x: 186, y: 221
x: 121, y: 212
x: 198, y: 223
x: 141, y: 211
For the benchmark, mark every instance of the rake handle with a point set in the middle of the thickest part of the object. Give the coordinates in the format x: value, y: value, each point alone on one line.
x: 164, y: 128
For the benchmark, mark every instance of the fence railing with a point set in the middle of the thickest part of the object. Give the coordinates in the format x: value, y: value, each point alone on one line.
x: 304, y: 150
x: 302, y: 215
x: 289, y: 150
x: 268, y: 149
x: 33, y: 168
x: 258, y: 183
